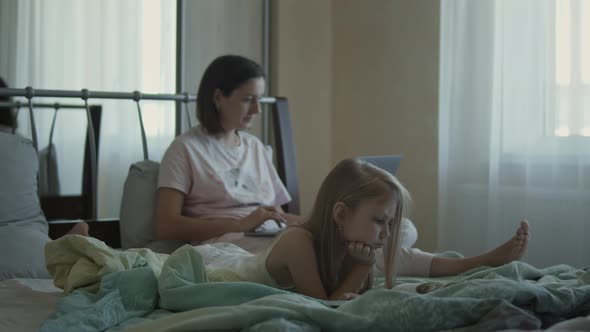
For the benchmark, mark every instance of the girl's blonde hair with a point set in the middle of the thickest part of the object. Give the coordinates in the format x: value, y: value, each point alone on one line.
x: 351, y: 182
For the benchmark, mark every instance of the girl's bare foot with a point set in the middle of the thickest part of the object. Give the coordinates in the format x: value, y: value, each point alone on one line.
x: 80, y: 228
x: 511, y: 250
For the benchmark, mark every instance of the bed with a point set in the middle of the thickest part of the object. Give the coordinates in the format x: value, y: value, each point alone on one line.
x: 173, y: 294
x: 102, y: 288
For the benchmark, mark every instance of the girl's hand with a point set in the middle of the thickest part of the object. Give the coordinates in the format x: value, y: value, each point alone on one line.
x: 348, y: 296
x: 259, y: 216
x: 361, y: 253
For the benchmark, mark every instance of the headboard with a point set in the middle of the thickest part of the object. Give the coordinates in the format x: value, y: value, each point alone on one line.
x: 108, y: 231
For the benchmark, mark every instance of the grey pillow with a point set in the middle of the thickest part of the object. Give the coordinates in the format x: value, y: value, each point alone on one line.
x: 18, y: 175
x: 138, y: 204
x: 22, y: 246
x: 136, y: 217
x: 23, y: 229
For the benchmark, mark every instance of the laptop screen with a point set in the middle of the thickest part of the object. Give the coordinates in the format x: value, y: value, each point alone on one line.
x: 388, y: 163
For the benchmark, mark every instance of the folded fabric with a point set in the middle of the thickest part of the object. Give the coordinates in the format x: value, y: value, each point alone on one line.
x: 79, y: 262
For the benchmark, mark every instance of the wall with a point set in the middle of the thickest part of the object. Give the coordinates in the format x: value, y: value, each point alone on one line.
x: 385, y: 93
x: 214, y: 28
x: 301, y: 70
x: 362, y: 78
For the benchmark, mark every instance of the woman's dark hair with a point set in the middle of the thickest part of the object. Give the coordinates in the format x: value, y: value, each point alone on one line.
x: 6, y: 113
x: 226, y: 73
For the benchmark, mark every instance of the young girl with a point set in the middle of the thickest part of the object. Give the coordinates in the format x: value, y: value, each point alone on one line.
x: 358, y: 210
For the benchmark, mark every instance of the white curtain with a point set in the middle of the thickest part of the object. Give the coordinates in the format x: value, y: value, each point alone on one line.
x: 514, y: 127
x: 106, y: 45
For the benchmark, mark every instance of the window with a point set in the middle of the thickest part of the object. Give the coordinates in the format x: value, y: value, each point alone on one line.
x: 158, y: 52
x: 571, y: 98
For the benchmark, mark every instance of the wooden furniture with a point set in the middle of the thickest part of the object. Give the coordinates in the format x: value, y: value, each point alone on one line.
x: 62, y: 212
x: 285, y: 152
x: 81, y: 206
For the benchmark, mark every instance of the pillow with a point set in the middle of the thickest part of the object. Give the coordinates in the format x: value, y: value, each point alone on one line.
x: 18, y: 171
x: 23, y: 229
x: 22, y: 246
x: 137, y: 205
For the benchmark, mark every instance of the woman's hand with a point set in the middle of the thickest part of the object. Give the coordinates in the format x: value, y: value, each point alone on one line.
x: 290, y: 219
x: 361, y: 253
x: 259, y: 216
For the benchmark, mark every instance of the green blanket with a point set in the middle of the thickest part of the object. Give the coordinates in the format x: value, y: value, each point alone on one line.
x: 139, y: 293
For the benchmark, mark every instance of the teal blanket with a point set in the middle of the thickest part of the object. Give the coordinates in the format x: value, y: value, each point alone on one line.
x: 178, y: 297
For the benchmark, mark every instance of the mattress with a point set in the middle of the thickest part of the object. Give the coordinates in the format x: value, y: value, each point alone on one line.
x: 26, y: 303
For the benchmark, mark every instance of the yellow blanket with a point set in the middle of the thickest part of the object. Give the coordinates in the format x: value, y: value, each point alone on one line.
x: 78, y: 262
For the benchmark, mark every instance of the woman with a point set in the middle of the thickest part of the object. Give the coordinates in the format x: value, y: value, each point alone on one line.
x: 216, y: 181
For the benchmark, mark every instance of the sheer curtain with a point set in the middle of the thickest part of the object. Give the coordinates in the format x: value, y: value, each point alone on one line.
x: 107, y: 45
x: 514, y: 127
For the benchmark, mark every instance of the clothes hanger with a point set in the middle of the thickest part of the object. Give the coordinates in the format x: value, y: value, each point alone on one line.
x: 18, y: 105
x: 187, y: 111
x: 29, y: 94
x: 93, y: 153
x: 56, y: 106
x: 137, y: 98
x: 49, y: 149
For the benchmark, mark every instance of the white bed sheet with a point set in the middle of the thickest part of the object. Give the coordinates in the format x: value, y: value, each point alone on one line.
x: 26, y: 303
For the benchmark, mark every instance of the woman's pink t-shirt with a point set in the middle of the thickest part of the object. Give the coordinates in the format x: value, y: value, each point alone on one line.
x: 221, y: 182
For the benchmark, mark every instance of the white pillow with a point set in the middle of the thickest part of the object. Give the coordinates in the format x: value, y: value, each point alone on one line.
x: 18, y: 177
x: 22, y: 245
x: 23, y: 229
x: 138, y: 204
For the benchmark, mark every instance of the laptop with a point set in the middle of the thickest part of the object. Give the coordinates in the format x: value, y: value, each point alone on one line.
x: 388, y: 163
